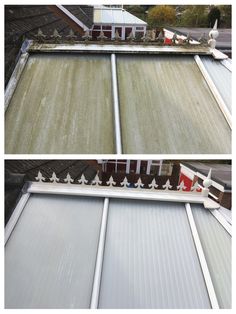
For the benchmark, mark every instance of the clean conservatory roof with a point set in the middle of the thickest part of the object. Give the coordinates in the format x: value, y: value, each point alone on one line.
x: 66, y: 102
x: 150, y: 260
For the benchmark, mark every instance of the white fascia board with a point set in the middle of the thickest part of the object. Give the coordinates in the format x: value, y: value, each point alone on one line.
x: 116, y: 192
x: 187, y: 171
x: 72, y: 17
x: 214, y: 184
x: 16, y: 215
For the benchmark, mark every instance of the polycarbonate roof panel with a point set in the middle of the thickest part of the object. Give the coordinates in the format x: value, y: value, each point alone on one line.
x: 62, y: 104
x: 150, y: 260
x: 50, y: 256
x: 167, y: 107
x: 222, y: 77
x: 216, y: 243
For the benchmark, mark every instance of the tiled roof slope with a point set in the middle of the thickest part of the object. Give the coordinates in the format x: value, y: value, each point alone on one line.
x: 23, y: 21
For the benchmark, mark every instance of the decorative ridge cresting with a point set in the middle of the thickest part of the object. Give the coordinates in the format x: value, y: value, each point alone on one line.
x: 125, y: 184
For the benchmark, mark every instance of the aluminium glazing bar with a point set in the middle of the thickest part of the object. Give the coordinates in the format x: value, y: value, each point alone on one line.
x: 11, y: 86
x: 116, y: 104
x: 221, y: 219
x: 99, y: 261
x: 202, y: 259
x: 214, y: 90
x: 16, y: 215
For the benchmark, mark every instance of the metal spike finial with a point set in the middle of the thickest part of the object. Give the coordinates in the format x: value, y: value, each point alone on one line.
x: 167, y: 186
x: 131, y: 36
x: 68, y: 179
x: 96, y: 180
x: 54, y: 178
x: 117, y: 36
x: 82, y: 180
x: 160, y: 38
x: 202, y: 39
x: 181, y: 187
x: 188, y: 39
x: 102, y: 36
x: 40, y: 177
x: 146, y: 37
x: 153, y: 184
x: 71, y: 35
x: 139, y: 184
x: 206, y: 184
x: 40, y: 35
x: 86, y: 36
x: 213, y: 34
x: 174, y: 38
x: 111, y: 182
x: 195, y: 187
x: 125, y: 183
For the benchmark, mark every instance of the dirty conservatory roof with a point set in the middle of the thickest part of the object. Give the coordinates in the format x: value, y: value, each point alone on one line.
x: 121, y: 247
x: 109, y: 98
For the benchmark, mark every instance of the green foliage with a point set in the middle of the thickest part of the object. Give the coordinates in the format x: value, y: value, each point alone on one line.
x: 161, y: 15
x: 137, y: 10
x: 213, y: 15
x: 226, y: 15
x: 194, y: 16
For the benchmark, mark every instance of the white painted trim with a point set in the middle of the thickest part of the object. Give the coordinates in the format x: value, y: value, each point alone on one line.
x: 72, y: 17
x: 138, y: 165
x: 99, y: 260
x: 116, y: 192
x: 214, y: 183
x: 202, y: 259
x: 221, y: 220
x: 226, y: 64
x: 149, y: 163
x: 187, y: 171
x: 127, y: 170
x: 16, y: 215
x: 116, y: 105
x: 15, y: 77
x: 218, y: 55
x: 160, y: 167
x: 214, y: 91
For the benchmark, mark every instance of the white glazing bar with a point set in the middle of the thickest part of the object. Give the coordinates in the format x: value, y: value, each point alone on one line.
x: 116, y: 104
x: 15, y: 215
x: 222, y: 220
x: 202, y: 259
x: 99, y: 261
x: 214, y: 90
x: 127, y: 166
x: 138, y: 166
x: 149, y: 163
x: 11, y: 86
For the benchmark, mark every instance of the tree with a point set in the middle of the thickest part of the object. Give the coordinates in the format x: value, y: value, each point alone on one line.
x: 214, y: 15
x: 160, y: 16
x: 226, y: 15
x: 194, y: 16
